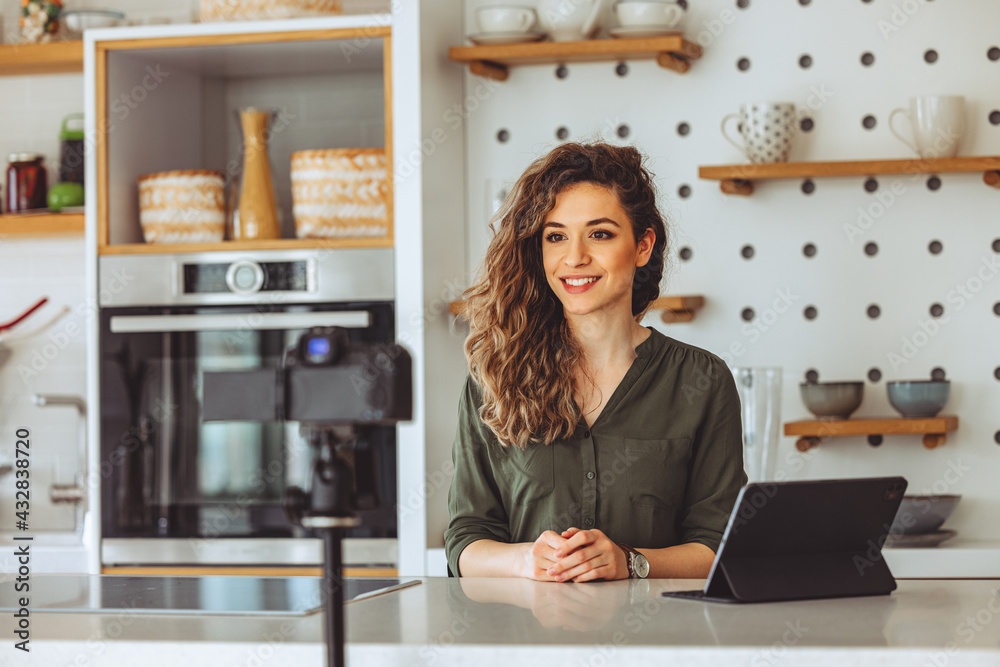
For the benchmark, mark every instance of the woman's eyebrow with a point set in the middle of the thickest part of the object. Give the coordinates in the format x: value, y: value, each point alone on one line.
x: 598, y: 221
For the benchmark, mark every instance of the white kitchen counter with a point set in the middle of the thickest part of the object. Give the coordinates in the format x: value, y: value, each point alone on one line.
x: 486, y: 622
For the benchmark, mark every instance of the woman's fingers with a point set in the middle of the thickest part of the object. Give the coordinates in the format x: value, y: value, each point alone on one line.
x: 579, y: 539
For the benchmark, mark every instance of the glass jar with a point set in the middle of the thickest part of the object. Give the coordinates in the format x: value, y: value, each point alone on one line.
x: 27, y: 182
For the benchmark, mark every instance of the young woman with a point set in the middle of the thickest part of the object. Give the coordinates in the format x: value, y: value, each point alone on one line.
x: 588, y: 446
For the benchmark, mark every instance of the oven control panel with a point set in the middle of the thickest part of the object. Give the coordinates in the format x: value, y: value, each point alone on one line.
x: 245, y: 277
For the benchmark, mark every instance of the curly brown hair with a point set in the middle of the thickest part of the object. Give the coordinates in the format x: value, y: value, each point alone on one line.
x: 520, y: 350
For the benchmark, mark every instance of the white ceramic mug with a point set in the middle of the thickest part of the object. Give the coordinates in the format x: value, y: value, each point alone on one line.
x: 570, y: 20
x: 510, y: 19
x: 766, y: 129
x: 937, y: 124
x: 648, y: 13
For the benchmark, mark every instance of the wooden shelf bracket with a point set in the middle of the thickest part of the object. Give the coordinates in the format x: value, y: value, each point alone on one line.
x: 489, y: 70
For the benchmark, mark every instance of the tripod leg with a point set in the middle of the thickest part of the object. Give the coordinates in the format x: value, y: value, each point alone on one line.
x: 334, y: 583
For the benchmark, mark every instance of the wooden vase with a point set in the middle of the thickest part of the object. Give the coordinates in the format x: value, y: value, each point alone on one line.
x: 257, y: 211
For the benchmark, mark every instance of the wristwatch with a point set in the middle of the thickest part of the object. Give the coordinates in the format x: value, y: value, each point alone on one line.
x: 638, y: 566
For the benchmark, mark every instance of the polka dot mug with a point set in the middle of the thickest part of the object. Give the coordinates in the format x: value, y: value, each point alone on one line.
x: 766, y: 129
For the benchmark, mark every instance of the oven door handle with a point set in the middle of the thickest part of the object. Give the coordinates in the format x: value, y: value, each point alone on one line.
x: 238, y: 321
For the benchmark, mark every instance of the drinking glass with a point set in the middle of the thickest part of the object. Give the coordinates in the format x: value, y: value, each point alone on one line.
x: 760, y: 410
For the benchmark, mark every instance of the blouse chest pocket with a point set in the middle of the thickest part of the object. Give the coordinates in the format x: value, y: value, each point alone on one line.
x: 529, y: 473
x: 657, y: 471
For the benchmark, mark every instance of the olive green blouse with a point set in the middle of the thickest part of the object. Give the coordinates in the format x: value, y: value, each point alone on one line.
x: 661, y: 466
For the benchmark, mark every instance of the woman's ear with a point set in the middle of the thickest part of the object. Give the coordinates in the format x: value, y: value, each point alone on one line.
x: 644, y: 250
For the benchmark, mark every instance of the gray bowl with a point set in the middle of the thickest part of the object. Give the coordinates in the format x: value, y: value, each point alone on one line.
x: 832, y: 400
x: 919, y: 515
x: 917, y: 399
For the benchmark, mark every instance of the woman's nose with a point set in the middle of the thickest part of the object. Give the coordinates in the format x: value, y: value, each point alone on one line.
x: 576, y: 252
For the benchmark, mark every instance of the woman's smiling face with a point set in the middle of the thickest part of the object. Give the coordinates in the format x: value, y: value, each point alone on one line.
x: 589, y: 251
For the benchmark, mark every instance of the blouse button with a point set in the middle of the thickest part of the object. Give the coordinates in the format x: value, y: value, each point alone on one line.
x: 588, y: 522
x: 590, y: 475
x: 586, y: 434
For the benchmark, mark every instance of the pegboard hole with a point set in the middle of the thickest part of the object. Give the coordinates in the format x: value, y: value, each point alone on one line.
x: 996, y: 437
x: 742, y: 4
x: 562, y: 133
x: 684, y: 191
x: 562, y: 72
x: 747, y: 251
x: 683, y: 4
x: 743, y: 64
x: 993, y: 54
x: 995, y: 117
x: 868, y: 122
x: 621, y: 69
x: 930, y: 56
x: 683, y: 129
x: 812, y: 375
x: 809, y: 250
x: 685, y: 253
x: 804, y: 3
x: 938, y: 374
x: 996, y: 308
x: 805, y: 60
x: 871, y: 185
x: 810, y: 312
x: 808, y: 187
x: 996, y: 373
x: 936, y: 310
x: 747, y: 314
x: 874, y: 375
x: 503, y: 136
x: 623, y: 130
x: 871, y: 249
x: 933, y: 183
x: 935, y: 247
x: 875, y: 440
x: 996, y: 245
x: 874, y: 311
x: 867, y: 58
x: 806, y: 124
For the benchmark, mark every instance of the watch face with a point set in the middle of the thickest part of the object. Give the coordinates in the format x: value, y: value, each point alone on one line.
x: 641, y: 566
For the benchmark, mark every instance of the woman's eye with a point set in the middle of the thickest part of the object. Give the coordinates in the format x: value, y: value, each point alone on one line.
x: 553, y: 237
x: 601, y: 234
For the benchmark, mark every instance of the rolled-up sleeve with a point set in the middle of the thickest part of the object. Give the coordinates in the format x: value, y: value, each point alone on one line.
x: 716, y: 468
x: 474, y: 500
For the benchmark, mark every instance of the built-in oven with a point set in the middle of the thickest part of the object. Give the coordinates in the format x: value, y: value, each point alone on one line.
x: 179, y: 489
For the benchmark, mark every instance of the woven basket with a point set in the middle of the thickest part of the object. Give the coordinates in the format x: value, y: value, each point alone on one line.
x: 182, y: 207
x: 246, y: 10
x: 340, y: 193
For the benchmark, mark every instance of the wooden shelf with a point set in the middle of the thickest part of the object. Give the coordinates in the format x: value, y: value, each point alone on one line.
x: 273, y: 244
x: 53, y: 58
x: 737, y: 179
x: 41, y: 224
x: 494, y: 61
x: 675, y: 308
x: 812, y: 432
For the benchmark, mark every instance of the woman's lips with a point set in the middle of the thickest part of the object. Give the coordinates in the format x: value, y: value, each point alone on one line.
x: 578, y: 289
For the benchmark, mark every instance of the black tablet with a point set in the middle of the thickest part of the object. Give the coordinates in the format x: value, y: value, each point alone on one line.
x: 803, y: 540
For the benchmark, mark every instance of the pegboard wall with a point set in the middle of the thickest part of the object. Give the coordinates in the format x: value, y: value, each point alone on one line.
x: 855, y: 278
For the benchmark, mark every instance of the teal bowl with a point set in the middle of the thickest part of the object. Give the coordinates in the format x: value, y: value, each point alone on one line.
x: 918, y: 399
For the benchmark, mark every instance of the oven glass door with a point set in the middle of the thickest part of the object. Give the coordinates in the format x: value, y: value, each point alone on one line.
x: 165, y: 472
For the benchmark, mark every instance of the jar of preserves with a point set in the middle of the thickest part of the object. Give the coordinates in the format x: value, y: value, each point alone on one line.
x: 27, y: 182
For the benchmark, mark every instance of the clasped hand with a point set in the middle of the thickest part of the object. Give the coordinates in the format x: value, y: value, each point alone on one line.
x: 575, y: 555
